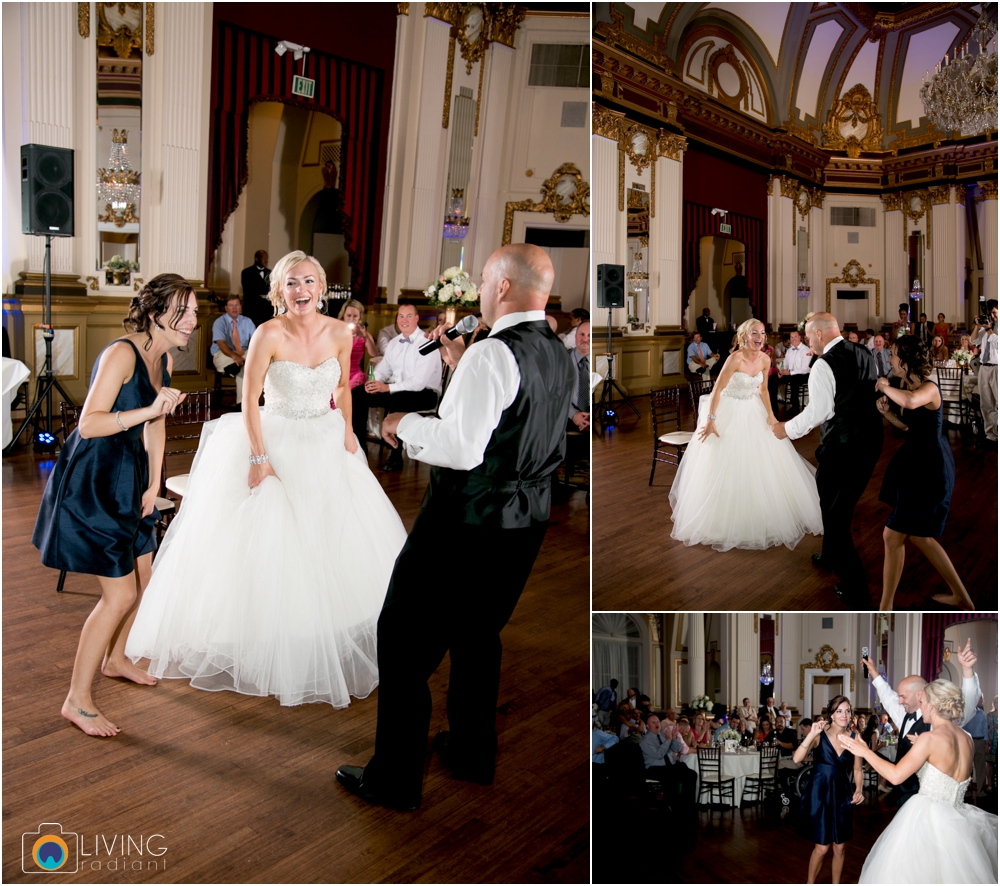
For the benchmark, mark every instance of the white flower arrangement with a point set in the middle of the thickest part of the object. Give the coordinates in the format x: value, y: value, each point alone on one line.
x: 961, y: 356
x: 701, y: 703
x: 728, y: 734
x: 453, y: 287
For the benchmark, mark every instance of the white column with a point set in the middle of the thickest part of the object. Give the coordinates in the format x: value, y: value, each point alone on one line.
x: 783, y: 258
x: 817, y: 269
x: 904, y: 648
x: 696, y: 655
x: 427, y: 214
x: 896, y: 267
x: 486, y: 220
x: 988, y: 238
x: 608, y: 225
x: 175, y: 94
x: 741, y: 662
x: 48, y: 76
x: 949, y: 264
x: 665, y: 246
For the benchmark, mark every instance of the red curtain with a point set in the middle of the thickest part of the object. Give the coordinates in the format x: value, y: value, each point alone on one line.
x: 933, y: 626
x: 699, y: 222
x: 246, y: 69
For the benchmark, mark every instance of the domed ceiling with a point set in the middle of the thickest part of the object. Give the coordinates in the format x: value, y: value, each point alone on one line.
x: 838, y: 78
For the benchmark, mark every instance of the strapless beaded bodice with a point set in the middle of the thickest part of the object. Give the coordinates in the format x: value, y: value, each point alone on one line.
x: 293, y: 390
x: 941, y: 788
x: 742, y: 386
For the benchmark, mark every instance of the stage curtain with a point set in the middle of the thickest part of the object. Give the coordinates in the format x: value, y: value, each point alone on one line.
x: 246, y: 69
x: 933, y: 626
x: 699, y: 222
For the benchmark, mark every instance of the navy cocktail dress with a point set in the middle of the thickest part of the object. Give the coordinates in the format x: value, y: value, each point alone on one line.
x: 919, y: 480
x: 827, y: 801
x: 90, y: 517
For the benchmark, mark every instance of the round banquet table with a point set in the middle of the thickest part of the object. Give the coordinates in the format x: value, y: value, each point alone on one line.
x: 14, y: 373
x: 737, y: 766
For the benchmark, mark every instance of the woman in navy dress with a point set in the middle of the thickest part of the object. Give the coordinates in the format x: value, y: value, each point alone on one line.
x: 829, y: 796
x: 919, y: 506
x: 97, y: 514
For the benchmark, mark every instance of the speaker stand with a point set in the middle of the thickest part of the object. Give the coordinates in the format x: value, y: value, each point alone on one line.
x: 46, y: 379
x: 606, y: 413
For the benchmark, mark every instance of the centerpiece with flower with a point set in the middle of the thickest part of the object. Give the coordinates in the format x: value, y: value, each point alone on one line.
x: 727, y: 734
x: 701, y: 703
x: 962, y: 357
x: 118, y: 271
x: 453, y: 288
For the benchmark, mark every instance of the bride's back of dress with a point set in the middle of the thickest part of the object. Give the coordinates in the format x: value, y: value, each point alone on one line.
x: 941, y: 788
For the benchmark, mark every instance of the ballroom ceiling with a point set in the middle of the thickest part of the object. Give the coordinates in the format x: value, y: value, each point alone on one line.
x: 823, y: 72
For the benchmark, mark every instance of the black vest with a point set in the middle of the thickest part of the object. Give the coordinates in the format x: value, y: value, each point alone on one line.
x: 511, y: 488
x: 911, y: 786
x: 855, y: 417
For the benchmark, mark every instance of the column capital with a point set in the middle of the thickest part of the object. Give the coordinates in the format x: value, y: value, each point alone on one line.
x: 605, y: 122
x: 989, y: 189
x: 670, y: 145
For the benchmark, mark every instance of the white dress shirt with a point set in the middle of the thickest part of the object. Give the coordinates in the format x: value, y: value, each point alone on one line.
x: 890, y: 701
x: 408, y: 369
x: 987, y: 344
x: 822, y: 391
x: 797, y: 360
x: 485, y: 383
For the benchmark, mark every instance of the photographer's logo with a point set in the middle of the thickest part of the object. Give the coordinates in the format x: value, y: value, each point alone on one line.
x: 49, y: 849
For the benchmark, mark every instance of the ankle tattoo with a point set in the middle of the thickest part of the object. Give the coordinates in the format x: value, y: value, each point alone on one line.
x: 85, y: 713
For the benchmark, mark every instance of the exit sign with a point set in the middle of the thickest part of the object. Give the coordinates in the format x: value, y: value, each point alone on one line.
x: 724, y: 228
x: 303, y: 86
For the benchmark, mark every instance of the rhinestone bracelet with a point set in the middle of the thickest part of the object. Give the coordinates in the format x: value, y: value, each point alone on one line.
x: 258, y: 459
x: 118, y: 419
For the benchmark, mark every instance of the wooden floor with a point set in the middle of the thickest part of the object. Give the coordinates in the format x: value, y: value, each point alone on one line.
x: 638, y: 566
x: 243, y: 790
x: 748, y: 846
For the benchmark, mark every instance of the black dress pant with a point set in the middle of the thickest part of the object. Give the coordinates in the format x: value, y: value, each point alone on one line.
x: 793, y: 391
x: 679, y: 783
x: 403, y: 401
x: 841, y: 477
x: 360, y: 400
x: 426, y: 615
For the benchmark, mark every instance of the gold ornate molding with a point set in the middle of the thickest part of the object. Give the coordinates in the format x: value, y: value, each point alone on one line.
x: 989, y: 189
x: 789, y: 187
x: 940, y: 195
x: 616, y: 34
x: 605, y: 122
x: 854, y: 275
x: 92, y: 281
x: 756, y: 619
x: 726, y: 56
x: 960, y: 195
x: 150, y: 29
x: 402, y: 9
x: 915, y: 204
x: 639, y: 143
x: 123, y: 38
x: 857, y: 111
x: 83, y: 21
x: 770, y: 185
x: 892, y: 202
x: 826, y: 660
x: 449, y: 73
x: 670, y: 145
x: 559, y: 202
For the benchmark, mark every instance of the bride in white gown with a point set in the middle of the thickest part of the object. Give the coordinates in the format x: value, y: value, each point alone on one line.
x: 271, y: 578
x: 936, y: 837
x: 712, y: 501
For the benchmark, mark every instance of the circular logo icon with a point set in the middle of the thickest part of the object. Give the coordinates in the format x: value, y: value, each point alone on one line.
x: 50, y: 852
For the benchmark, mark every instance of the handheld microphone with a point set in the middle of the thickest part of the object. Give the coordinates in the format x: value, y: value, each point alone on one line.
x: 864, y: 668
x: 466, y: 324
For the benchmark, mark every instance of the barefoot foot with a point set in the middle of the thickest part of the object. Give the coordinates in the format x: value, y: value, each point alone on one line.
x: 955, y: 600
x: 127, y: 671
x: 89, y: 719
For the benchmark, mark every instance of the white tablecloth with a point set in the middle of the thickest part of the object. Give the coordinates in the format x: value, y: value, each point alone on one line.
x: 951, y: 409
x: 14, y: 373
x: 737, y: 766
x: 889, y: 752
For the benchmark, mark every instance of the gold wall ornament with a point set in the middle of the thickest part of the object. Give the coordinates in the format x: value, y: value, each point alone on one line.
x: 789, y: 187
x: 853, y: 124
x: 726, y: 56
x: 826, y: 660
x: 670, y: 145
x: 854, y: 275
x: 940, y: 195
x: 83, y: 20
x: 137, y: 283
x: 150, y: 29
x: 639, y: 144
x: 755, y: 619
x: 402, y: 9
x: 565, y: 194
x: 989, y: 189
x: 616, y: 34
x: 892, y: 202
x: 92, y: 281
x: 119, y: 220
x: 915, y: 204
x: 449, y: 72
x: 605, y: 122
x: 119, y: 27
x: 960, y: 195
x: 504, y: 20
x: 607, y: 87
x: 816, y: 197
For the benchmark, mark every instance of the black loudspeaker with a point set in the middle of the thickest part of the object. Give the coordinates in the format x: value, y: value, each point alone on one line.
x: 46, y: 190
x: 611, y: 286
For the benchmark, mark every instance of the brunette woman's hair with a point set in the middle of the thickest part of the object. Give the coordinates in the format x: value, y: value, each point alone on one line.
x: 153, y: 302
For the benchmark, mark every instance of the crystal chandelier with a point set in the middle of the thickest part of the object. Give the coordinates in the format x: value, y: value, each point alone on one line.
x: 456, y: 225
x: 638, y: 279
x: 917, y: 292
x: 803, y: 290
x: 765, y: 675
x: 961, y: 95
x: 118, y: 185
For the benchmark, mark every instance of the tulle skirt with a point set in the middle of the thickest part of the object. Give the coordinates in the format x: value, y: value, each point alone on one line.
x: 933, y: 842
x: 744, y: 488
x: 278, y: 591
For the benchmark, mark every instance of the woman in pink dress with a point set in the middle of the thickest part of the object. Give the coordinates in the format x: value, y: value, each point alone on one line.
x: 353, y: 313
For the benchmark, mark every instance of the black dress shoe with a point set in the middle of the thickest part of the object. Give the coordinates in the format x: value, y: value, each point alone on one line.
x: 393, y: 464
x: 232, y: 370
x: 481, y: 774
x: 817, y: 560
x: 853, y: 596
x: 352, y: 778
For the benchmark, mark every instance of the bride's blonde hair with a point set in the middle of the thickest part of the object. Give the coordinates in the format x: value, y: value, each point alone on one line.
x: 282, y: 267
x: 946, y: 698
x: 743, y: 333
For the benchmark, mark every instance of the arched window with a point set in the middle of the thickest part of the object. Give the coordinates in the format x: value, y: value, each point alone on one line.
x: 617, y: 652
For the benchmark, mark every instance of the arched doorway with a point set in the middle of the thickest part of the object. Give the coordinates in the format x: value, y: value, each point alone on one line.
x: 722, y: 284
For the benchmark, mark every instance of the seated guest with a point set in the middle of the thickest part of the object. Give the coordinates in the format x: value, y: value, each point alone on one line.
x: 860, y: 722
x: 576, y: 317
x: 629, y: 722
x: 701, y: 735
x: 796, y: 372
x: 853, y: 336
x: 764, y: 731
x: 656, y: 754
x: 939, y: 350
x: 405, y: 380
x: 230, y: 339
x: 783, y: 737
x: 387, y: 334
x: 870, y: 339
x: 632, y: 697
x: 786, y: 713
x: 802, y: 733
x: 741, y: 726
x: 941, y: 328
x: 671, y: 717
x: 885, y: 728
x: 924, y: 330
x: 352, y: 312
x: 768, y: 709
x: 579, y: 407
x: 700, y: 358
x: 686, y: 736
x: 881, y: 355
x: 748, y: 714
x: 644, y: 706
x: 600, y: 741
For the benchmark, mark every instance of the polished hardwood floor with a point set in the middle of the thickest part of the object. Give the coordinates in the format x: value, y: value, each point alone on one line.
x: 243, y: 790
x: 638, y: 566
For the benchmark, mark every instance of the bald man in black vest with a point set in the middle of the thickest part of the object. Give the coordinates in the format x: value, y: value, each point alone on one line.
x: 842, y: 399
x: 498, y: 439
